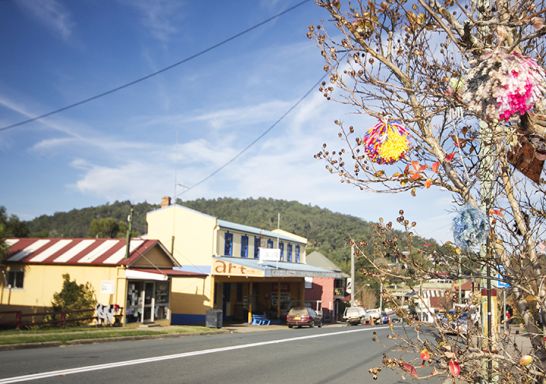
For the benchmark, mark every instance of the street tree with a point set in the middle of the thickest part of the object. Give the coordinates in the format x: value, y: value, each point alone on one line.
x: 457, y: 90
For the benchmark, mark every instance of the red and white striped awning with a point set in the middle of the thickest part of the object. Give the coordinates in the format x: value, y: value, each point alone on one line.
x: 75, y: 251
x: 433, y: 293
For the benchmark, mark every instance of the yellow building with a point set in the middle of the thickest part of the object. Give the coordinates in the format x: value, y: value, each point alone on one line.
x: 249, y: 270
x: 33, y: 272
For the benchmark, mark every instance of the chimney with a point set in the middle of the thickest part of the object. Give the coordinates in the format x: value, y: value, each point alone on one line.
x: 165, y: 201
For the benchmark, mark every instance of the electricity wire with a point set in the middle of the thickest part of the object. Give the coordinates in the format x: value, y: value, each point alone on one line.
x: 242, y: 151
x: 153, y: 74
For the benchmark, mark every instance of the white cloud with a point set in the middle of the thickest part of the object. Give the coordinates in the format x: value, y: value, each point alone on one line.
x: 158, y: 16
x: 134, y: 180
x: 24, y: 111
x: 220, y: 119
x: 51, y: 14
x: 263, y: 112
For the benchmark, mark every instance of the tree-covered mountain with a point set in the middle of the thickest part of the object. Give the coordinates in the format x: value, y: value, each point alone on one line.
x: 77, y: 222
x: 326, y: 231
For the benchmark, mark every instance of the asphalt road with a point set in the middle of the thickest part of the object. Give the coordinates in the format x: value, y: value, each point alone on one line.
x: 327, y: 355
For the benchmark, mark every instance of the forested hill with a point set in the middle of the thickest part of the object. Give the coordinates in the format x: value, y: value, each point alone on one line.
x: 326, y: 231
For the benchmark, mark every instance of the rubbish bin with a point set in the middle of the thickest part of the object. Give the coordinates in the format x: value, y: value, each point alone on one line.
x: 214, y: 318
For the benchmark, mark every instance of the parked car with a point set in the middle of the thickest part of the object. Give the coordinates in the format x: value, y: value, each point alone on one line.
x: 394, y: 318
x: 300, y: 316
x: 354, y: 315
x: 373, y: 315
x: 383, y: 319
x: 456, y: 323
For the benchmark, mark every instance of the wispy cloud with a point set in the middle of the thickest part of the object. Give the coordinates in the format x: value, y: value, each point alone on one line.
x: 75, y: 134
x: 52, y: 14
x: 158, y: 16
x: 221, y: 119
x: 22, y: 109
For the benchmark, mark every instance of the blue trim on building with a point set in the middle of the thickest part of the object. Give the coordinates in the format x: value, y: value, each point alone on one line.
x: 184, y: 319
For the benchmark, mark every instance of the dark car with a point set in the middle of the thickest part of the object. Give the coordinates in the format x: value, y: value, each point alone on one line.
x: 300, y: 316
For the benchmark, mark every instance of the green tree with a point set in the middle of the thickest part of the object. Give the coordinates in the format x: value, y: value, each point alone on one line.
x: 13, y: 226
x: 74, y: 297
x: 105, y: 227
x: 10, y: 226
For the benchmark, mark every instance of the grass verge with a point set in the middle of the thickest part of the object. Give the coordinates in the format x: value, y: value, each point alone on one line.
x: 67, y: 335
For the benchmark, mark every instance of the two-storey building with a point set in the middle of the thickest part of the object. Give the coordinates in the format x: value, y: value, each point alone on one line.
x: 249, y: 270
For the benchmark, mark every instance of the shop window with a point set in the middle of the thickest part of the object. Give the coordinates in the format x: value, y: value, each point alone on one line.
x: 297, y: 253
x: 228, y: 244
x: 244, y: 246
x: 257, y: 245
x: 281, y: 247
x: 15, y: 279
x: 289, y: 253
x: 269, y: 243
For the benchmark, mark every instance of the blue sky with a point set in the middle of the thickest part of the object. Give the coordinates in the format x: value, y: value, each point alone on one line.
x: 180, y: 125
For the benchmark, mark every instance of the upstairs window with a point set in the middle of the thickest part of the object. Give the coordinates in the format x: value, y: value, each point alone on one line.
x: 257, y: 245
x: 15, y: 279
x: 269, y: 243
x: 297, y: 253
x: 244, y: 246
x: 281, y: 247
x: 289, y: 253
x: 228, y: 244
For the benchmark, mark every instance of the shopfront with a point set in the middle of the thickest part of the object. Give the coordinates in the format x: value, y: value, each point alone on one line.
x: 147, y: 301
x: 243, y: 287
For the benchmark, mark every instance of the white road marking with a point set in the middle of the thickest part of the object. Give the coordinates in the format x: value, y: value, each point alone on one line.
x: 99, y: 367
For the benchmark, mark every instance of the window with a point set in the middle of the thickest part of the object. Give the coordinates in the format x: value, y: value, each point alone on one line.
x: 297, y: 253
x: 15, y: 279
x: 244, y: 246
x: 269, y: 243
x: 257, y: 245
x: 228, y: 244
x: 289, y: 253
x: 281, y: 247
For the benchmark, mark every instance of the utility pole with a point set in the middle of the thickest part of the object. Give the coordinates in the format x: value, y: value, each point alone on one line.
x: 380, y: 297
x: 488, y: 301
x: 459, y: 281
x: 353, y: 290
x: 129, y: 229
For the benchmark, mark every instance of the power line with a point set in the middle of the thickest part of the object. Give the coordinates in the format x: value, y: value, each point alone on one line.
x: 140, y: 79
x: 212, y: 174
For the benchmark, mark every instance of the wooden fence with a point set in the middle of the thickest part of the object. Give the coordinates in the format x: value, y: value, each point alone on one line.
x: 20, y: 319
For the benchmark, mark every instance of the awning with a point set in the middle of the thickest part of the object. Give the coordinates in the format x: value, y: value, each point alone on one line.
x: 231, y: 266
x: 158, y: 274
x: 134, y: 274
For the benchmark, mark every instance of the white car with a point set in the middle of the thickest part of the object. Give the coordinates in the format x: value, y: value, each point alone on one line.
x: 373, y: 314
x: 354, y: 315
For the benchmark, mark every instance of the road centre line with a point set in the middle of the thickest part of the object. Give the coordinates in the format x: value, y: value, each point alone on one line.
x: 98, y: 367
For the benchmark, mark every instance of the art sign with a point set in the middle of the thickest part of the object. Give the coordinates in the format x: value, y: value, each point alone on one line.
x: 227, y: 268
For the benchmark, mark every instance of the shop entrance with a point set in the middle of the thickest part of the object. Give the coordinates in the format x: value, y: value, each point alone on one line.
x: 147, y: 301
x: 238, y: 299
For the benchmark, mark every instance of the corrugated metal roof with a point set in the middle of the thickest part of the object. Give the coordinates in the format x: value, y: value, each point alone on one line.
x: 283, y: 269
x: 319, y: 260
x: 76, y: 251
x: 257, y: 231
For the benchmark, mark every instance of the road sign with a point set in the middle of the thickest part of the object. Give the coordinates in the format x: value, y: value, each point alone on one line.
x: 500, y: 283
